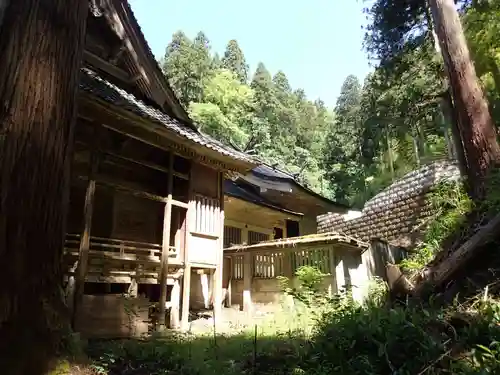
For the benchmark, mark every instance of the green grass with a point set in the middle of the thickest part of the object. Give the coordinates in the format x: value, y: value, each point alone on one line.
x: 329, y: 337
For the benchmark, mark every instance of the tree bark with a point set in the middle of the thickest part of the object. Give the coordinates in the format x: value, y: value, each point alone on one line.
x: 476, y: 126
x: 42, y: 43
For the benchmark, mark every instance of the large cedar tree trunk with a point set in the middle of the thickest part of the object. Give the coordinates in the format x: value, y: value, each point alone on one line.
x: 41, y: 43
x: 476, y: 126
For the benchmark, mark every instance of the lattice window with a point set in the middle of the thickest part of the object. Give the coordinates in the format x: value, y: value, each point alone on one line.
x: 269, y: 265
x: 237, y: 264
x: 319, y: 258
x: 232, y: 236
x: 207, y: 215
x: 256, y: 237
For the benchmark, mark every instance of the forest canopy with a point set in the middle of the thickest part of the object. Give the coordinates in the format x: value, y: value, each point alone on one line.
x: 378, y: 129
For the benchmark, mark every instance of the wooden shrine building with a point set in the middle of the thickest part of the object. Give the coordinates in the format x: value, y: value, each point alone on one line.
x: 267, y: 203
x: 146, y: 201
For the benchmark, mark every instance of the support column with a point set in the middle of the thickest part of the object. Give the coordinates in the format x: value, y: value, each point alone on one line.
x: 217, y: 288
x: 133, y: 288
x: 75, y: 298
x: 186, y: 292
x: 247, y: 282
x: 228, y: 266
x: 165, y: 247
x: 205, y: 289
x: 186, y: 280
x: 332, y: 260
x: 175, y: 299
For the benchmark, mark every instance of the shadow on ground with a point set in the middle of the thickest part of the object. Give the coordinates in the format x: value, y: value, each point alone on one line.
x: 374, y: 340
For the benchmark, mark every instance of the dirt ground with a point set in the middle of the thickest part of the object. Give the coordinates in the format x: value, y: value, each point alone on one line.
x: 233, y: 320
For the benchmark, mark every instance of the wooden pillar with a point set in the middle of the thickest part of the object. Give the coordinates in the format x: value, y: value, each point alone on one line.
x: 81, y: 269
x: 133, y: 287
x: 220, y: 245
x: 247, y: 282
x: 165, y: 246
x: 175, y: 298
x: 186, y: 280
x: 333, y: 271
x: 287, y: 264
x: 228, y: 276
x: 205, y: 289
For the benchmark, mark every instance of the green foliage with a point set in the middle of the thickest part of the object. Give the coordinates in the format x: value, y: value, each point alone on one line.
x: 234, y: 61
x: 378, y: 131
x: 451, y: 205
x: 310, y: 278
x: 347, y: 338
x: 308, y: 286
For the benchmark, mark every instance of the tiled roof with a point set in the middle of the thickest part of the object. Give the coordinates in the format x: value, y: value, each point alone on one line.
x: 395, y: 213
x: 270, y: 173
x: 233, y: 189
x: 91, y: 83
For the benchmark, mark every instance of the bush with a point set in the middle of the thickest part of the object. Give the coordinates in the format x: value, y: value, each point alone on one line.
x: 451, y: 205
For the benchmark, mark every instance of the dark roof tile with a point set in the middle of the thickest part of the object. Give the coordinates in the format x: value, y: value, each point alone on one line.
x: 99, y: 87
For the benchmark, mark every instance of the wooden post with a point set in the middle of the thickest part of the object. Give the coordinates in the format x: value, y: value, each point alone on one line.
x: 220, y: 244
x: 247, y: 282
x: 229, y: 295
x: 205, y: 289
x: 81, y: 269
x: 186, y: 280
x: 165, y: 246
x: 175, y: 297
x: 333, y: 270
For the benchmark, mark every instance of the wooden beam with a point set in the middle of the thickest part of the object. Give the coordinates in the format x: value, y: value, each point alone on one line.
x: 114, y: 185
x: 106, y: 66
x: 147, y: 164
x: 81, y: 269
x: 167, y: 219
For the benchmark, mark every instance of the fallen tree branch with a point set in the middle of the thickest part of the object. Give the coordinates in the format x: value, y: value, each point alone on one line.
x: 442, y: 271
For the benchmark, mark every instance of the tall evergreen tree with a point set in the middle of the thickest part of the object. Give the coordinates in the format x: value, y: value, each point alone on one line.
x: 281, y: 82
x: 234, y: 60
x: 42, y: 44
x: 187, y: 64
x: 479, y: 138
x: 342, y: 146
x: 391, y: 35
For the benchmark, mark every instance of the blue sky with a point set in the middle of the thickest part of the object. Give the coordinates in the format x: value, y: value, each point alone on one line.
x: 316, y: 43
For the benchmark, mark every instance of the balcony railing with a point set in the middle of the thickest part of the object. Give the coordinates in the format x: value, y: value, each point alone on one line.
x: 125, y: 250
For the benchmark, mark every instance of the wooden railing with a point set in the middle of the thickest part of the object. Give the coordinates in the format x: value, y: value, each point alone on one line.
x: 119, y: 249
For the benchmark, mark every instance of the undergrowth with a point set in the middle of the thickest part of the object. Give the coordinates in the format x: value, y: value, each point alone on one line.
x: 450, y: 205
x: 346, y: 338
x: 320, y: 334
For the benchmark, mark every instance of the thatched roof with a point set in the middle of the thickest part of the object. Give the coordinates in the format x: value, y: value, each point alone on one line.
x: 309, y: 241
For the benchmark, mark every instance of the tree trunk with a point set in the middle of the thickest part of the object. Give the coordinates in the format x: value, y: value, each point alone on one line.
x: 450, y: 114
x: 41, y: 43
x: 476, y: 126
